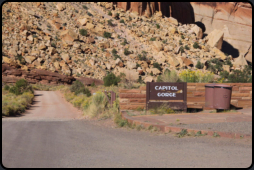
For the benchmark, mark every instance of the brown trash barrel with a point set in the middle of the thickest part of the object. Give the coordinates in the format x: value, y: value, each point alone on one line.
x: 209, y: 91
x: 222, y: 96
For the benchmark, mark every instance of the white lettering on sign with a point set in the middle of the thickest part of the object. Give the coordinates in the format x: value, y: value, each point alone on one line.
x: 166, y: 94
x: 166, y: 88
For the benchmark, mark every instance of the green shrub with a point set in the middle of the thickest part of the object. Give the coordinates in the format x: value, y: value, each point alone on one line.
x: 157, y: 26
x: 107, y: 35
x: 182, y: 49
x: 122, y: 21
x: 164, y: 41
x: 114, y: 52
x: 195, y: 45
x: 153, y: 39
x: 21, y: 59
x: 53, y: 45
x: 20, y: 87
x: 78, y: 87
x: 142, y: 58
x: 110, y: 13
x: 117, y: 56
x: 117, y: 16
x: 124, y: 42
x: 182, y: 37
x: 6, y: 87
x: 138, y: 65
x: 85, y: 7
x: 243, y: 76
x: 14, y: 90
x: 110, y: 22
x: 168, y: 76
x: 88, y: 13
x: 130, y: 18
x: 199, y: 65
x: 140, y: 80
x: 180, y: 42
x: 186, y: 47
x: 126, y: 51
x: 111, y: 79
x: 83, y: 32
x: 228, y: 62
x: 157, y: 65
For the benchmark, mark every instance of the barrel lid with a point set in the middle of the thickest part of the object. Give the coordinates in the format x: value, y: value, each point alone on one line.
x: 223, y: 86
x: 210, y: 85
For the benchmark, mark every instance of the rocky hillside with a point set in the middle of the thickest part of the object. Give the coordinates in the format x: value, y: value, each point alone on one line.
x: 91, y: 39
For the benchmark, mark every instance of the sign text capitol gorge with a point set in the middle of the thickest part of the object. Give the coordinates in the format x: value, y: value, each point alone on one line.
x: 166, y: 88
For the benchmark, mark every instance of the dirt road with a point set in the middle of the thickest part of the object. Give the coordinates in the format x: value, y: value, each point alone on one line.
x: 53, y: 134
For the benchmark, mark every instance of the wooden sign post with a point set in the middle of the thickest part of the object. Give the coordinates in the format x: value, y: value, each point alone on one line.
x: 172, y: 94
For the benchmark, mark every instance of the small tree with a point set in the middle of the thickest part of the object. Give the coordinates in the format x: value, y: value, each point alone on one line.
x: 199, y: 65
x: 157, y: 65
x: 110, y: 13
x: 111, y: 79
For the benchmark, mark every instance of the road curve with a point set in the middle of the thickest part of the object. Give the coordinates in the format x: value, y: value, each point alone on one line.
x: 53, y: 135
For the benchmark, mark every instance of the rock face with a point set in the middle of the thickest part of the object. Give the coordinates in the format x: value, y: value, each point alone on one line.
x: 234, y: 19
x: 182, y: 11
x: 11, y: 75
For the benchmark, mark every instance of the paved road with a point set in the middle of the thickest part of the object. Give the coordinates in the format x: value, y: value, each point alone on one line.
x: 59, y: 138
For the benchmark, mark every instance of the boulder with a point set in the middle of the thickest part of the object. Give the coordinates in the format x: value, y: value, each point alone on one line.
x: 60, y: 6
x: 148, y: 79
x: 219, y: 53
x: 131, y: 65
x: 198, y: 31
x: 187, y: 61
x: 173, y: 21
x: 68, y: 36
x: 215, y: 39
x: 173, y: 61
x: 30, y: 59
x: 158, y: 45
x: 89, y: 26
x: 65, y: 56
x: 240, y: 61
x: 82, y: 21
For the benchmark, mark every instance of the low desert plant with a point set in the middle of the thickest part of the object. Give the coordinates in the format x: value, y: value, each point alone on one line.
x: 85, y: 7
x: 157, y: 65
x: 195, y: 45
x: 110, y: 13
x: 107, y: 35
x: 78, y: 87
x: 83, y: 32
x: 126, y: 51
x: 196, y: 76
x: 122, y: 21
x: 153, y: 39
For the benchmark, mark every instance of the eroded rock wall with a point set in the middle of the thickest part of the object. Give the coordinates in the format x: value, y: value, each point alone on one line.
x: 183, y: 11
x: 234, y: 18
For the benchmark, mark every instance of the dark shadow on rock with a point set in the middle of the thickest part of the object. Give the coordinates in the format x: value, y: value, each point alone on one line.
x: 201, y: 25
x: 229, y: 49
x: 38, y: 94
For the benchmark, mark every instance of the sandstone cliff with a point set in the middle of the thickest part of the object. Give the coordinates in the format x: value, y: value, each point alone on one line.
x: 183, y: 11
x: 234, y: 18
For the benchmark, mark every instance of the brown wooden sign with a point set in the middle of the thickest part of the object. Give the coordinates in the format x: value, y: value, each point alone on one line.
x: 172, y: 94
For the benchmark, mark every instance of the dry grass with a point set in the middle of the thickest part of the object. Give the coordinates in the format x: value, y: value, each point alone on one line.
x: 13, y: 104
